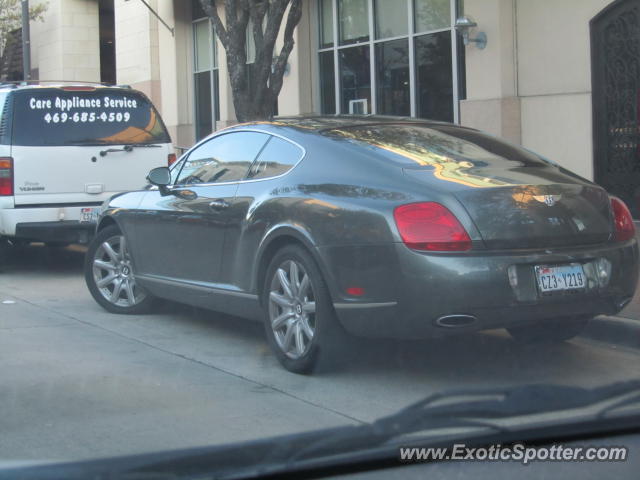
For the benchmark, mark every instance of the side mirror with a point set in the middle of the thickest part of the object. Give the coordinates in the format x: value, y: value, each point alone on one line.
x: 160, y: 177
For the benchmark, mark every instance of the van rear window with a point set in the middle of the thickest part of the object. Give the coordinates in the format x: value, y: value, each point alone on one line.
x: 56, y: 117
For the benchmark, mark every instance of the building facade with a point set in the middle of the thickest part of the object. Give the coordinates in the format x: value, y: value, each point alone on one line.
x: 558, y: 77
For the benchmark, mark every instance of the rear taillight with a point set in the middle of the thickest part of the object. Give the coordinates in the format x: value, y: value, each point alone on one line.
x: 6, y: 176
x: 623, y: 221
x: 171, y: 159
x: 431, y: 227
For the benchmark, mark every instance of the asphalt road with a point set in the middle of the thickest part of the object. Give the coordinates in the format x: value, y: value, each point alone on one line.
x: 78, y: 382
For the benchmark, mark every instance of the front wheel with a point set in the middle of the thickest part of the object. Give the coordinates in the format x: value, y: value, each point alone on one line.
x: 109, y: 274
x: 300, y: 323
x: 551, y: 331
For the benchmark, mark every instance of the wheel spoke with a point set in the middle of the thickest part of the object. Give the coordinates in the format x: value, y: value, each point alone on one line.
x: 103, y: 282
x: 280, y: 300
x: 123, y: 248
x: 128, y: 290
x: 306, y: 328
x: 288, y: 336
x: 300, y: 346
x: 284, y: 282
x: 111, y: 252
x: 309, y: 307
x: 294, y: 278
x: 117, y: 288
x: 104, y: 265
x: 304, y: 285
x: 279, y: 321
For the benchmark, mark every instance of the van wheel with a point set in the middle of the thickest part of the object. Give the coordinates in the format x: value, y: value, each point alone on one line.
x: 552, y: 331
x: 300, y: 323
x: 110, y: 277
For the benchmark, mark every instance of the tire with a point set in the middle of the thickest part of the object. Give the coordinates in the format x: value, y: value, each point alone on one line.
x: 107, y: 268
x: 300, y: 324
x: 551, y: 331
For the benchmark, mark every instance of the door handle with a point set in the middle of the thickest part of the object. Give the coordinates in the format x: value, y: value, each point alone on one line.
x: 218, y: 204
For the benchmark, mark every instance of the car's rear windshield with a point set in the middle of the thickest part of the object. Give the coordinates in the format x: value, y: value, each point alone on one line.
x: 425, y: 145
x: 57, y: 117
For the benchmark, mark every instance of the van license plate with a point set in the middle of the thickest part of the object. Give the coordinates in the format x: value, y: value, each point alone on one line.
x: 566, y: 277
x: 89, y: 215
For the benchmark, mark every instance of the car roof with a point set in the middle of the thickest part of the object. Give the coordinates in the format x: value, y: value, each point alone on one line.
x: 321, y: 123
x: 37, y: 84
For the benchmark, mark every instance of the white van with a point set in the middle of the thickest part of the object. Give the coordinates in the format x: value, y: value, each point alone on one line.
x: 64, y: 149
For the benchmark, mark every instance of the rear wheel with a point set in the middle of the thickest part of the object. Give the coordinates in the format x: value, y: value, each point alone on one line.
x: 300, y: 323
x: 549, y: 331
x: 109, y: 274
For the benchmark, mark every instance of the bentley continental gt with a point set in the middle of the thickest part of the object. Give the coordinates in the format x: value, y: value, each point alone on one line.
x: 372, y: 226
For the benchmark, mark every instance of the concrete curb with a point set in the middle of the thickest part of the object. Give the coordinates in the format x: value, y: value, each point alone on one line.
x: 616, y: 330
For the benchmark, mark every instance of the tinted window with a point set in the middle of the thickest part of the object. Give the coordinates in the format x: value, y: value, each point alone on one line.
x: 57, y: 117
x: 225, y: 158
x: 277, y: 158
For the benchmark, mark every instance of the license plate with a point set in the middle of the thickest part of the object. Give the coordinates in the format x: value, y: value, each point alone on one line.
x: 89, y: 215
x: 561, y: 278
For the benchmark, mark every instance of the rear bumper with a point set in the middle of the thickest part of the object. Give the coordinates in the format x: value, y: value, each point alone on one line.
x: 64, y: 232
x: 407, y: 292
x: 49, y: 224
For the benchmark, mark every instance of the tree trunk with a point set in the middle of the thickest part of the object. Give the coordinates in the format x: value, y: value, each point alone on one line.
x: 255, y: 99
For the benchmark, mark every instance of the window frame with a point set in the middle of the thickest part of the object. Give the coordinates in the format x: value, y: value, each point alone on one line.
x: 214, y: 86
x: 245, y: 179
x: 457, y: 76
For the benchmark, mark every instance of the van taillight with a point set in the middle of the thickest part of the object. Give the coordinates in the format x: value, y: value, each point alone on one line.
x: 431, y: 227
x: 6, y: 176
x: 625, y: 229
x: 172, y: 159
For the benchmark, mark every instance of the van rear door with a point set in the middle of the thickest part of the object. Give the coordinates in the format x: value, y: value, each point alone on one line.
x: 80, y: 145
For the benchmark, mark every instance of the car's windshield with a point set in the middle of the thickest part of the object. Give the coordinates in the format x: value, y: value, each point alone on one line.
x: 314, y: 237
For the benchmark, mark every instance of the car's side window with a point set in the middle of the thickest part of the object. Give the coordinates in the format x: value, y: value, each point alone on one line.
x: 277, y: 158
x: 225, y: 158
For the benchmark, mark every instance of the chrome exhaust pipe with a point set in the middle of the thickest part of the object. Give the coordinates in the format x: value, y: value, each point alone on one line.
x: 456, y: 321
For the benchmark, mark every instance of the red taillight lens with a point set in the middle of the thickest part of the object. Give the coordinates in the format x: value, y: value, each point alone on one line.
x: 171, y: 159
x: 6, y: 176
x: 625, y: 230
x: 431, y: 227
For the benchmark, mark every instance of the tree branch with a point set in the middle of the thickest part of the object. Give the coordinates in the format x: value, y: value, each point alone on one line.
x: 211, y: 9
x: 295, y: 14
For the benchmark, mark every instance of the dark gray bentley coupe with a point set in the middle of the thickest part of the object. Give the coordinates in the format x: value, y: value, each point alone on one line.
x: 375, y: 226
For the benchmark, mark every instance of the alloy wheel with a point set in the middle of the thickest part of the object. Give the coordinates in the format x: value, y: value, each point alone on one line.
x: 292, y: 309
x: 113, y: 273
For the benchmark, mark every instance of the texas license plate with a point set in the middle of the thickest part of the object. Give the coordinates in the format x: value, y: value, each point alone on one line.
x: 566, y: 277
x: 89, y: 215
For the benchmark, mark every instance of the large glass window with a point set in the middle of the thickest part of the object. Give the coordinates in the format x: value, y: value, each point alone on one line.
x: 391, y: 18
x: 225, y: 158
x: 392, y: 70
x: 355, y: 78
x: 327, y: 82
x: 205, y: 74
x: 326, y: 23
x: 353, y: 18
x: 434, y: 76
x: 432, y: 15
x: 408, y: 61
